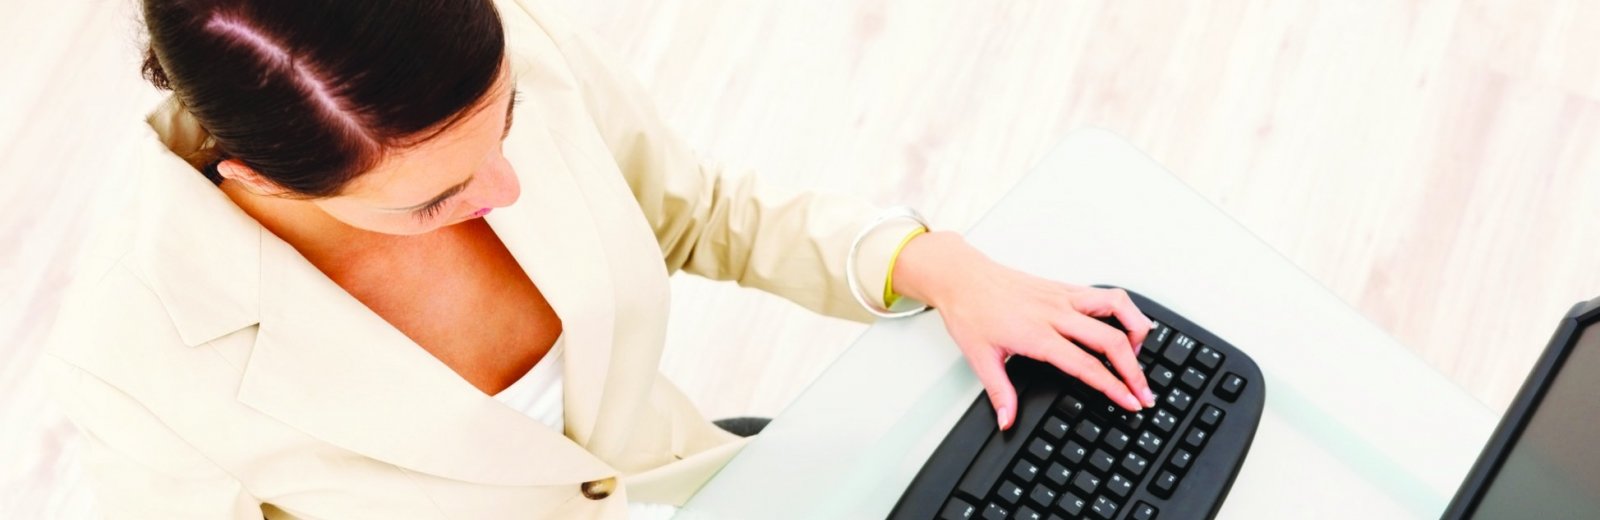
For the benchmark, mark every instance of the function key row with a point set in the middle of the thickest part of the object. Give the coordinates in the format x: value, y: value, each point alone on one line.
x: 1177, y: 350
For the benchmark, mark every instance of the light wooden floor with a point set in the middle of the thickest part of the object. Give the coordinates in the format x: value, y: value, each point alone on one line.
x: 1432, y: 162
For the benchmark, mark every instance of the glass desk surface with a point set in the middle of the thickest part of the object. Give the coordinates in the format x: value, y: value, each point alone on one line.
x: 1354, y: 423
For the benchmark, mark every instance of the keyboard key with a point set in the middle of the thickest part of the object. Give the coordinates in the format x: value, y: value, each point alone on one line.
x: 1159, y: 332
x: 1026, y: 513
x: 957, y: 509
x: 1164, y: 421
x: 1231, y: 386
x: 1193, y: 379
x: 1160, y: 378
x: 1086, y: 483
x: 1117, y: 440
x: 1149, y: 444
x: 1074, y: 452
x: 1057, y: 474
x: 995, y: 512
x: 1009, y: 492
x: 1164, y: 483
x: 1070, y: 405
x: 1131, y: 420
x: 1041, y: 449
x: 1088, y: 431
x: 1133, y: 463
x: 1071, y: 504
x: 1180, y: 460
x: 1055, y: 428
x: 1119, y: 486
x: 1024, y: 471
x: 1102, y: 461
x: 1104, y: 508
x: 1178, y: 351
x: 1042, y: 495
x: 1210, y: 417
x: 1208, y: 358
x: 1195, y: 438
x: 1143, y: 511
x: 1178, y: 400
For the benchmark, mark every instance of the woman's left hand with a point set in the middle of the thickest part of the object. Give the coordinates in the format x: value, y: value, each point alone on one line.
x: 993, y: 311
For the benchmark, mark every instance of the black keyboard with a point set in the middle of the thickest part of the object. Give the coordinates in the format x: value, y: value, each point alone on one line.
x: 1074, y: 454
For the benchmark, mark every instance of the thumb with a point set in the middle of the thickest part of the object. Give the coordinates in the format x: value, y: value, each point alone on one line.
x: 991, y: 370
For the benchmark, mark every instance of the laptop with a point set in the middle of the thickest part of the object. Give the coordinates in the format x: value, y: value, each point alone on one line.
x: 1543, y: 460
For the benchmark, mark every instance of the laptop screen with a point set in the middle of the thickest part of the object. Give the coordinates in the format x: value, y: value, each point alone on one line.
x: 1553, y: 469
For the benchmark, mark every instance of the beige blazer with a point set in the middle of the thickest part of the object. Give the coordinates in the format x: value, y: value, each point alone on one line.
x: 215, y: 373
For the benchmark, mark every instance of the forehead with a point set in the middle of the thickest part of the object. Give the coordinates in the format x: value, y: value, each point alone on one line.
x: 412, y: 175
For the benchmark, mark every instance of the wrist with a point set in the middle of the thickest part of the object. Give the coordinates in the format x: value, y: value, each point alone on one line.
x: 920, y: 271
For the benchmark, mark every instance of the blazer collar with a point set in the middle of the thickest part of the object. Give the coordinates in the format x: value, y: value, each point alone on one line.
x: 325, y: 364
x: 197, y: 251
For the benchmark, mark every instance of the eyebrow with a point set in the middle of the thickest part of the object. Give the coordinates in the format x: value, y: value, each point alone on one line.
x: 453, y: 190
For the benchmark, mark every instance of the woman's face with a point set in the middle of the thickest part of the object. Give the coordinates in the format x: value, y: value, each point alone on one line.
x: 458, y: 175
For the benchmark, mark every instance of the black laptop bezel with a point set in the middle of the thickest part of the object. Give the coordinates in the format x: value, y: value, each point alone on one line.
x: 1517, y: 415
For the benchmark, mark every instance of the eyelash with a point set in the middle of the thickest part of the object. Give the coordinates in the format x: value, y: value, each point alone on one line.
x: 516, y: 99
x: 430, y: 211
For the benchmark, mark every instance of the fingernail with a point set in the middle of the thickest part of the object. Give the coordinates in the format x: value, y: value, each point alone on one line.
x: 1148, y: 397
x: 1000, y: 417
x: 1132, y: 403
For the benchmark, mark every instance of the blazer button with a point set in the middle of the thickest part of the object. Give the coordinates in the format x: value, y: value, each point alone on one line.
x: 599, y: 489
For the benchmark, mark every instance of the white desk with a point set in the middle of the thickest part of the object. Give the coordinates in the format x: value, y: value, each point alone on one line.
x: 1354, y: 427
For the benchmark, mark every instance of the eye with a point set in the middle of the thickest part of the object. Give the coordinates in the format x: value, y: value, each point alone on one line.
x: 430, y: 211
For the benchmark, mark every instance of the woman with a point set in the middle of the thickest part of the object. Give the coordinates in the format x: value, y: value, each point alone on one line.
x: 331, y: 296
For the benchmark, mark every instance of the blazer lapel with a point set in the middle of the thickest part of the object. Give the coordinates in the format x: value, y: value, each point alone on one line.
x: 583, y: 239
x: 585, y: 243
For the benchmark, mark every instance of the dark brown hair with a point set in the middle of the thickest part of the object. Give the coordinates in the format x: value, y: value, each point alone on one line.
x: 311, y: 93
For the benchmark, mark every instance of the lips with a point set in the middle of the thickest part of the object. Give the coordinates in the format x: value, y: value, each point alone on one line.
x: 481, y: 212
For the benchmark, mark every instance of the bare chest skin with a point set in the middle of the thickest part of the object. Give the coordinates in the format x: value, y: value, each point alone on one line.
x: 459, y: 294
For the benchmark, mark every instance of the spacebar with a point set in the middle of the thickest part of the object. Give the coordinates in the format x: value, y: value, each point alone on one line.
x: 1000, y: 449
x: 986, y: 468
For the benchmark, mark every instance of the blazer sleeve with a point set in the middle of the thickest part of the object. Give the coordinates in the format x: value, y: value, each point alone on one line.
x: 723, y: 224
x: 136, y: 466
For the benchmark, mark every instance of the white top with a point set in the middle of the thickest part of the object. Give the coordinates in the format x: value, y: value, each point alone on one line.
x: 537, y: 394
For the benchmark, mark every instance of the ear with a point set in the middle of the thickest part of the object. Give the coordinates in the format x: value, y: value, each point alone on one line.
x: 252, y: 180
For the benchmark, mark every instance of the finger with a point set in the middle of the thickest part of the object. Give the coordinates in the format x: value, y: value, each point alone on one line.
x: 1116, y: 303
x: 989, y: 365
x: 1099, y: 337
x: 1072, y: 360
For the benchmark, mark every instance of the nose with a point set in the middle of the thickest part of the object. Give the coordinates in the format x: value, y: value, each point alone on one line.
x: 498, y: 188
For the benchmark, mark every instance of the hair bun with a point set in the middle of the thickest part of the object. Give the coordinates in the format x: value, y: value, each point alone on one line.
x: 152, y: 71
